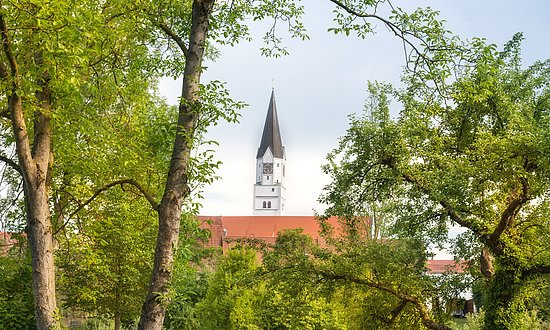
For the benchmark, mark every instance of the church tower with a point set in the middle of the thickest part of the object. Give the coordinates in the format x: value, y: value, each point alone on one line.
x: 269, y: 190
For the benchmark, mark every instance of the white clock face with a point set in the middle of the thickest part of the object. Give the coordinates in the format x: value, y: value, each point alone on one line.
x: 268, y: 168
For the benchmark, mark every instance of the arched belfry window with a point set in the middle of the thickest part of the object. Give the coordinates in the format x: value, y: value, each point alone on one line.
x: 269, y: 204
x: 264, y: 204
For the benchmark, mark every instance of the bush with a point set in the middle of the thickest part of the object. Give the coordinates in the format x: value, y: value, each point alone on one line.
x: 16, y: 299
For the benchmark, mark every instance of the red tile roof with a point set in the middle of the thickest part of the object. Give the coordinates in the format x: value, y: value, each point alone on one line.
x: 442, y: 266
x: 6, y: 242
x: 265, y: 228
x: 270, y: 226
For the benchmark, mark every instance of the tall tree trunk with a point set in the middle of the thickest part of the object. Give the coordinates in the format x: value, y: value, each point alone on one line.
x: 41, y: 244
x: 35, y: 169
x: 177, y: 188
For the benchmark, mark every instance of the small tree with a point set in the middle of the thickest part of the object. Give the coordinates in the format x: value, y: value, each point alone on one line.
x: 16, y: 299
x: 105, y: 262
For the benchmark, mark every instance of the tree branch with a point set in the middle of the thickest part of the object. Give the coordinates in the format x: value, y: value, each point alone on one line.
x: 445, y: 204
x: 508, y: 216
x: 4, y: 72
x: 174, y: 37
x: 418, y: 304
x: 7, y: 48
x: 11, y: 163
x: 397, y: 31
x: 536, y: 270
x: 132, y: 182
x: 5, y: 114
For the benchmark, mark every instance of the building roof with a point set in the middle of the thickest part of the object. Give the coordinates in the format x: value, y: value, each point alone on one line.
x: 6, y: 242
x: 270, y: 226
x: 271, y: 136
x: 265, y: 228
x: 445, y: 266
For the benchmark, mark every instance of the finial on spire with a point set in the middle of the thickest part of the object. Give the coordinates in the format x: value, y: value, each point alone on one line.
x: 272, y: 84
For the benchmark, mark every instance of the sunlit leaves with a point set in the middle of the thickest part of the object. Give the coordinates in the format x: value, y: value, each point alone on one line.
x: 471, y: 153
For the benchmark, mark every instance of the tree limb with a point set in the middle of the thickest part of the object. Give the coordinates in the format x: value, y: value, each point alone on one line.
x: 397, y: 31
x: 536, y: 270
x: 174, y: 37
x: 445, y: 204
x: 7, y: 48
x: 417, y: 303
x: 508, y: 216
x: 132, y: 182
x: 11, y: 163
x: 395, y: 312
x: 5, y: 114
x: 4, y: 72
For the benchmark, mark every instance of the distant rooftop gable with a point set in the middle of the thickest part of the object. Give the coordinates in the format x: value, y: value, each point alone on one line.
x: 271, y: 137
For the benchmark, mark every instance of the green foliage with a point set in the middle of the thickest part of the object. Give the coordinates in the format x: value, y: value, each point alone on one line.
x: 191, y: 274
x: 99, y: 61
x: 301, y: 286
x: 227, y: 286
x: 105, y: 266
x: 16, y: 299
x: 473, y: 322
x: 473, y: 153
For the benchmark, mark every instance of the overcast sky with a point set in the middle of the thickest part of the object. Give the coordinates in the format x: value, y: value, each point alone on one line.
x: 321, y: 82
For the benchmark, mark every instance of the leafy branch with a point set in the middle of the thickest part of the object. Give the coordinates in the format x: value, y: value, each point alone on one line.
x: 403, y: 297
x: 176, y: 38
x: 98, y: 192
x: 394, y: 28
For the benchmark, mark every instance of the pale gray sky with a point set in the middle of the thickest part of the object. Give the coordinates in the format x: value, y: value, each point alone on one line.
x: 321, y: 82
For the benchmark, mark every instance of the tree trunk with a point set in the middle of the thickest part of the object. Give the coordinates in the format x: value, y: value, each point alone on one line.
x: 499, y: 311
x: 486, y: 263
x: 41, y: 243
x: 35, y: 168
x: 34, y: 164
x: 117, y: 320
x: 177, y: 188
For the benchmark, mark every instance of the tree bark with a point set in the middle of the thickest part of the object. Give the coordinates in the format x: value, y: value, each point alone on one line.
x: 35, y: 167
x: 117, y: 320
x: 486, y: 263
x: 177, y: 188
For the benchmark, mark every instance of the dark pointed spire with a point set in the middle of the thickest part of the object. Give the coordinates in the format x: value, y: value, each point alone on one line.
x: 271, y: 137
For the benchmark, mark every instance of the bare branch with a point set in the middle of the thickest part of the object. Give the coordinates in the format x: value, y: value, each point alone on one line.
x: 174, y: 37
x: 11, y: 163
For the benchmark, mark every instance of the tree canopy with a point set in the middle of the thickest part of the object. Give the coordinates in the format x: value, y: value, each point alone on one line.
x: 473, y: 154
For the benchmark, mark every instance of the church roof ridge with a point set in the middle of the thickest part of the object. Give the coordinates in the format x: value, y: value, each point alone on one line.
x: 271, y: 136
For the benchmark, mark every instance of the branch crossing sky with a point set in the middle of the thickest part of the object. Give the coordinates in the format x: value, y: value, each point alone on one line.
x: 321, y: 82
